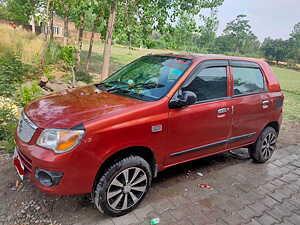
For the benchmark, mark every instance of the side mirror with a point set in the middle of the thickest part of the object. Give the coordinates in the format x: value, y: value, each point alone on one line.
x: 183, y: 99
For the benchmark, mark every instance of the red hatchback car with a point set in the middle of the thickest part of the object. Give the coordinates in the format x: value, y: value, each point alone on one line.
x: 112, y: 138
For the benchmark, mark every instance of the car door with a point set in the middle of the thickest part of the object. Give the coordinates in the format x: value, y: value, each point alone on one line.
x: 250, y: 100
x: 203, y: 128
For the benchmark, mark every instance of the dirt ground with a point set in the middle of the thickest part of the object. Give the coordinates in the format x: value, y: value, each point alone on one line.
x: 28, y: 205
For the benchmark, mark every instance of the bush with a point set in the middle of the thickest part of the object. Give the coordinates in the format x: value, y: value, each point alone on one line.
x: 27, y: 94
x: 8, y: 123
x: 53, y: 53
x: 159, y: 44
x: 67, y: 55
x: 47, y: 72
x: 12, y: 72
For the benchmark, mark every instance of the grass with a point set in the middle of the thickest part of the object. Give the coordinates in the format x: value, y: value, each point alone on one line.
x: 21, y: 42
x: 290, y: 85
x: 121, y: 55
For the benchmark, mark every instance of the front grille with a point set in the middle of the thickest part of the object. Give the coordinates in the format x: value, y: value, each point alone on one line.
x: 25, y: 161
x: 26, y: 128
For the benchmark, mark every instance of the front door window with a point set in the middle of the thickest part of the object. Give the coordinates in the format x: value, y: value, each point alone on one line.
x: 209, y: 84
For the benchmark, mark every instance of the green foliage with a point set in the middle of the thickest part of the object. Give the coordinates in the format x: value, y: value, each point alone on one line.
x: 4, y: 14
x: 284, y: 50
x: 238, y: 37
x: 67, y: 54
x: 8, y: 122
x: 12, y: 72
x: 20, y: 11
x: 275, y: 49
x: 294, y: 44
x: 47, y: 72
x: 53, y: 53
x: 27, y: 94
x: 82, y: 76
x: 173, y: 20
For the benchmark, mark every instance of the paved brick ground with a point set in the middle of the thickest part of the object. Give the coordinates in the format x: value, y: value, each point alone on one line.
x: 245, y: 193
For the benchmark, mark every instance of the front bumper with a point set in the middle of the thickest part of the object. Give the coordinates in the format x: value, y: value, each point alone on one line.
x: 78, y: 168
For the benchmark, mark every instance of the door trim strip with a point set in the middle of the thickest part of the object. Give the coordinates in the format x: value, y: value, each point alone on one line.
x: 230, y: 140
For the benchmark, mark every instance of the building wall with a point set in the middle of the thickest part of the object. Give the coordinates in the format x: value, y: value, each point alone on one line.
x: 58, y: 26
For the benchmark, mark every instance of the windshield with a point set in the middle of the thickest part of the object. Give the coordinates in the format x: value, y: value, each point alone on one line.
x: 149, y: 78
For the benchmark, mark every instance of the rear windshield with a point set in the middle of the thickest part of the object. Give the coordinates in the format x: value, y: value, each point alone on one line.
x: 149, y: 78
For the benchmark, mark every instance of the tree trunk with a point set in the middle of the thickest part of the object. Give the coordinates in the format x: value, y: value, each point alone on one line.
x: 32, y: 24
x: 108, y: 40
x: 88, y: 59
x: 51, y: 21
x: 73, y: 76
x: 79, y: 46
x: 46, y: 23
x: 129, y: 40
x: 66, y: 30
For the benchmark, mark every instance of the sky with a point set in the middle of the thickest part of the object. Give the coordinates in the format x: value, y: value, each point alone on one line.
x: 268, y: 18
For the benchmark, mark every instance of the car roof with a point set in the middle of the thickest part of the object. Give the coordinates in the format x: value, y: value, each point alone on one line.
x: 201, y: 57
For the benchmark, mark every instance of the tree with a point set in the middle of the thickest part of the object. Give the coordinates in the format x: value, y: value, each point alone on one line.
x: 68, y: 57
x: 294, y: 44
x: 51, y: 17
x: 108, y: 40
x: 208, y: 30
x: 22, y: 11
x: 97, y: 17
x: 150, y: 15
x: 224, y: 44
x: 275, y: 49
x: 64, y: 9
x: 296, y: 30
x: 185, y: 32
x: 80, y: 9
x: 239, y: 33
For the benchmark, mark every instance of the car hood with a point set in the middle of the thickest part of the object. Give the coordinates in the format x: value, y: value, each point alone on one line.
x: 70, y: 108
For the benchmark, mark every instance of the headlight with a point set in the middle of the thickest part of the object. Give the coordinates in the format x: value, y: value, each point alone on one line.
x: 60, y: 140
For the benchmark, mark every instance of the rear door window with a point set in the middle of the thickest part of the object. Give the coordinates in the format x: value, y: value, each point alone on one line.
x: 247, y: 81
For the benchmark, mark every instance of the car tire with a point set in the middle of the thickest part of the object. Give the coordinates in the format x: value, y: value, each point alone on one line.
x: 123, y: 186
x: 262, y: 150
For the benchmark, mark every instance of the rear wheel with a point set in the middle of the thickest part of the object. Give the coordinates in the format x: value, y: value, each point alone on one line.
x: 263, y: 149
x: 123, y: 186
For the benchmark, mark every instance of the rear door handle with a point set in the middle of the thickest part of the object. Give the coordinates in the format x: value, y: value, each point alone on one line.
x: 266, y: 102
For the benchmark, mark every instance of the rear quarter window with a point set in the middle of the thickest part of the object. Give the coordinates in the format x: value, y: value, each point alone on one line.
x: 247, y: 81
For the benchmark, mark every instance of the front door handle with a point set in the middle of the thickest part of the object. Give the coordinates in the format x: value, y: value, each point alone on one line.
x: 223, y: 110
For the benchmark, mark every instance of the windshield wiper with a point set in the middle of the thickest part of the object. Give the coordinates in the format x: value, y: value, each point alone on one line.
x: 148, y: 85
x: 117, y: 89
x: 111, y: 84
x: 103, y: 85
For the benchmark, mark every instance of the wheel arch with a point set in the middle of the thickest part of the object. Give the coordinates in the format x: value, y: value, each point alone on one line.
x: 142, y: 151
x: 275, y: 125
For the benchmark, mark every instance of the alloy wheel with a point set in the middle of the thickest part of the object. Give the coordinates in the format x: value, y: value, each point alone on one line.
x: 269, y: 145
x: 127, y: 188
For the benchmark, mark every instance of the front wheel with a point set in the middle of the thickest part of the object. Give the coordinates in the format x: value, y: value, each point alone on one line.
x: 123, y: 186
x: 263, y: 149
